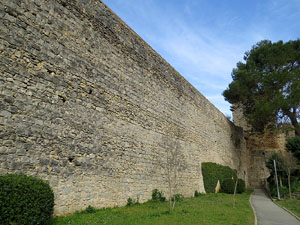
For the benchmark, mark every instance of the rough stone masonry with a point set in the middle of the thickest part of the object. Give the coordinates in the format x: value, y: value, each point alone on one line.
x: 87, y: 105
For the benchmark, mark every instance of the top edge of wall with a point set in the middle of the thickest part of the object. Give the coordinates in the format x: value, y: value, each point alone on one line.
x: 98, y: 9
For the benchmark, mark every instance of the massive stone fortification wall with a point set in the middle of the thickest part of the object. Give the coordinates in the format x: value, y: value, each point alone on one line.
x: 87, y: 105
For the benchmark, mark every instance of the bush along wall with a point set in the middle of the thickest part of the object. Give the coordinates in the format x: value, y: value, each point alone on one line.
x: 241, y: 186
x: 228, y: 185
x: 212, y: 172
x: 25, y: 200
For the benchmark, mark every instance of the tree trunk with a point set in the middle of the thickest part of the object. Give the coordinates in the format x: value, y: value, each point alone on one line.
x: 169, y: 177
x: 170, y: 195
x: 235, y: 187
x: 293, y: 118
x: 280, y: 181
x: 174, y: 202
x: 289, y: 181
x: 297, y: 127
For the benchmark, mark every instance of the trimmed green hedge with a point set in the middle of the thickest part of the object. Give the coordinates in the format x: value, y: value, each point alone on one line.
x: 25, y: 200
x: 212, y: 172
x: 241, y: 186
x: 227, y: 186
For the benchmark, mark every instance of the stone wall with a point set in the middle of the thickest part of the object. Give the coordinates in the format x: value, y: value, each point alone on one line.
x: 261, y: 146
x: 87, y: 105
x: 239, y: 118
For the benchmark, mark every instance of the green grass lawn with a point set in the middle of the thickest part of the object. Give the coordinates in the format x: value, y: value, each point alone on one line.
x: 292, y: 205
x: 213, y: 209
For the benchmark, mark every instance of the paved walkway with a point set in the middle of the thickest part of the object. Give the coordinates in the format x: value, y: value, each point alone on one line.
x: 268, y: 213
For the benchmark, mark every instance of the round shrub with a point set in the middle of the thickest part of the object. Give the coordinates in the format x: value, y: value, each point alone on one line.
x: 241, y: 187
x: 177, y: 197
x: 227, y: 186
x: 284, y: 191
x: 25, y: 200
x: 198, y: 194
x: 158, y: 196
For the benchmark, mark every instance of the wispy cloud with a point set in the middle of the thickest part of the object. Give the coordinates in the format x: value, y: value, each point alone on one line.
x: 199, y: 50
x: 284, y: 8
x: 218, y: 100
x: 214, y: 58
x: 204, y: 39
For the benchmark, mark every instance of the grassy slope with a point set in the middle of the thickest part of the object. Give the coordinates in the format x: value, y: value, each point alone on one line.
x: 293, y: 205
x: 208, y: 209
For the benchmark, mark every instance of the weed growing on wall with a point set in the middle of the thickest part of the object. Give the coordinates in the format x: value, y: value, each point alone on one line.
x: 89, y: 209
x: 158, y: 195
x: 131, y: 201
x: 198, y: 194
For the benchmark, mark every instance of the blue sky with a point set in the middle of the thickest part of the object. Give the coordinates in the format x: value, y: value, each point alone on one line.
x: 204, y: 39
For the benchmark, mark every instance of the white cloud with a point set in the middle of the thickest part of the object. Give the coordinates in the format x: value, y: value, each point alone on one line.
x: 198, y: 50
x: 218, y: 100
x: 204, y: 54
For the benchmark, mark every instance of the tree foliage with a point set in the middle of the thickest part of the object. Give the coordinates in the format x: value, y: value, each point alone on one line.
x: 285, y: 164
x: 267, y: 84
x: 280, y: 167
x: 289, y: 164
x: 293, y: 145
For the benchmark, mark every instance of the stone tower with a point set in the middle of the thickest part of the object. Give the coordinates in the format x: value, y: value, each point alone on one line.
x: 260, y: 147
